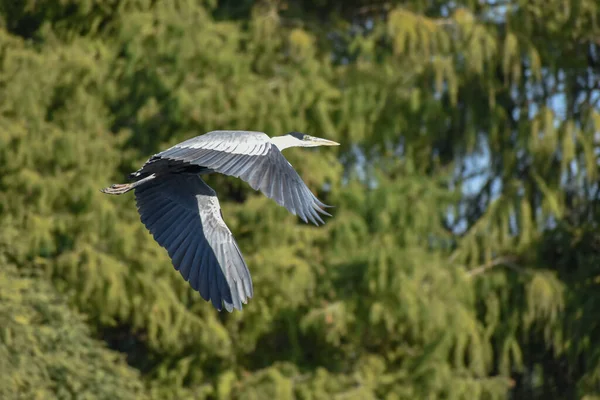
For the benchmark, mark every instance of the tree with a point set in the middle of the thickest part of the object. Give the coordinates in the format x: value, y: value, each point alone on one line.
x: 460, y: 261
x: 46, y: 350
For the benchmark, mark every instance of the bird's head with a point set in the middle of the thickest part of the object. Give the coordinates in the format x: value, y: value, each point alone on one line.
x: 299, y: 139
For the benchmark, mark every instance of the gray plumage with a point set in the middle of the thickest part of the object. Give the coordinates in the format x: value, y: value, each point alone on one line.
x: 183, y: 213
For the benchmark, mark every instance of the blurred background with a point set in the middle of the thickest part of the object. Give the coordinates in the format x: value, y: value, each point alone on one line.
x: 463, y: 257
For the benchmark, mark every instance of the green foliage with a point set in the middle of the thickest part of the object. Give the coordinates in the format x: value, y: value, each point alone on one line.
x: 461, y: 261
x: 46, y: 350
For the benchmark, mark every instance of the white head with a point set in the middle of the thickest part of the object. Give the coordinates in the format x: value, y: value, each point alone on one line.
x: 298, y: 139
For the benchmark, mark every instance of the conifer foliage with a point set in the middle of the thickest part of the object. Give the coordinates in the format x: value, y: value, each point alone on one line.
x: 462, y: 259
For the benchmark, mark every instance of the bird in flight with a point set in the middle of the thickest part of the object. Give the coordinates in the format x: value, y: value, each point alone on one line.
x: 184, y: 216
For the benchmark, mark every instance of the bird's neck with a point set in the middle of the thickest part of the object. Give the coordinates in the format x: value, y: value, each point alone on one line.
x: 284, y: 142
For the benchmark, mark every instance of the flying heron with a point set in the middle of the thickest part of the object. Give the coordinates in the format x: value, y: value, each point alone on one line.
x: 184, y: 216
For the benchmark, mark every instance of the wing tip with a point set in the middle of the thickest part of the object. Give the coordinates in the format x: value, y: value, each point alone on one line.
x: 229, y: 306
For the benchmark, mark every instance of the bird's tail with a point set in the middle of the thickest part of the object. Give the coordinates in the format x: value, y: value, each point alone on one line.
x: 118, y: 188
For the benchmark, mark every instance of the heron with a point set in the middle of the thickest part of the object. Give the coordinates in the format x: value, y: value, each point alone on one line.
x: 184, y: 216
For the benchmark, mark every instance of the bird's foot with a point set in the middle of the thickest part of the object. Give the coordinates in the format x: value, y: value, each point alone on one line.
x: 118, y: 188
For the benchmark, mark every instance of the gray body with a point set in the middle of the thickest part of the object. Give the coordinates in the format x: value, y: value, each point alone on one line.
x: 183, y: 213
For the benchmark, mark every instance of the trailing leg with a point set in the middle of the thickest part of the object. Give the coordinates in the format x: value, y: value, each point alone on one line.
x: 120, y: 188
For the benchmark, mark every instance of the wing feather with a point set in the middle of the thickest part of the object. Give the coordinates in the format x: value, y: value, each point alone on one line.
x: 183, y: 214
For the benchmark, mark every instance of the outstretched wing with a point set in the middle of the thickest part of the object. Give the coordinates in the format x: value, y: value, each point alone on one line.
x: 252, y: 157
x: 183, y: 214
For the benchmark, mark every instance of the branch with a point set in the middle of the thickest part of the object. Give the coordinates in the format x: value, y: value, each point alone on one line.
x: 374, y: 8
x: 506, y: 261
